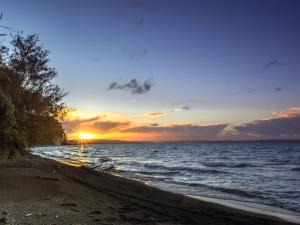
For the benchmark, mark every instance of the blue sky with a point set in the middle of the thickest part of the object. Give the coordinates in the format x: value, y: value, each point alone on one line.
x: 228, y: 61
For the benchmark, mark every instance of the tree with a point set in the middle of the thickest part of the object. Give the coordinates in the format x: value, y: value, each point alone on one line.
x: 31, y: 103
x: 7, y: 125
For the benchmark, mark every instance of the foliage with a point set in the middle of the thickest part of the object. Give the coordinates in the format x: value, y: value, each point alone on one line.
x: 30, y: 104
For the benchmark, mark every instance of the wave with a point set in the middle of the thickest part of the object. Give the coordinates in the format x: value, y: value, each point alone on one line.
x: 227, y: 164
x: 159, y: 172
x: 182, y: 169
x: 296, y: 168
x: 242, y: 193
x: 276, y: 162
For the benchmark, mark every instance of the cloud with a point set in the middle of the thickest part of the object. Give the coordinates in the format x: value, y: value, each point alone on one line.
x: 252, y: 90
x: 95, y: 124
x: 291, y: 112
x: 139, y: 23
x: 186, y: 108
x: 95, y: 59
x: 136, y: 55
x: 280, y: 125
x: 142, y: 5
x: 134, y: 86
x: 183, y: 108
x: 184, y: 7
x: 154, y: 114
x: 179, y: 131
x: 285, y: 124
x: 157, y: 114
x: 271, y: 64
x: 109, y: 126
x: 71, y: 125
x: 278, y: 89
x: 136, y: 3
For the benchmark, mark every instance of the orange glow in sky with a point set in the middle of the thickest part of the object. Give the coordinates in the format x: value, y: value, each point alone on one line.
x: 113, y: 126
x: 85, y: 136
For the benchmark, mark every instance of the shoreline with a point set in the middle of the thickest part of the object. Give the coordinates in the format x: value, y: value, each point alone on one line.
x: 252, y: 207
x: 74, y: 193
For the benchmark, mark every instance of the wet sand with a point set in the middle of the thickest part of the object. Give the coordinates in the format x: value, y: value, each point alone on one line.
x: 42, y: 191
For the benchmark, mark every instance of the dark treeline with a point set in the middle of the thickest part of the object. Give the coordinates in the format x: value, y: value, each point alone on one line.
x: 31, y: 105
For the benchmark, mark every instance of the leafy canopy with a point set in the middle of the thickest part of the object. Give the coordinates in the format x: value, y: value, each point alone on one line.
x: 30, y: 103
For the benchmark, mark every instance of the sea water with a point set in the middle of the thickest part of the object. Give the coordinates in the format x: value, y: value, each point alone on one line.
x: 266, y: 173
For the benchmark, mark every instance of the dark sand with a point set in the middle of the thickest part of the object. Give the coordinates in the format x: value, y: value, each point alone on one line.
x: 42, y: 191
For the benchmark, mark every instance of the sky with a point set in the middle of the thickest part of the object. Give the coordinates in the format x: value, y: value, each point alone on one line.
x: 173, y: 69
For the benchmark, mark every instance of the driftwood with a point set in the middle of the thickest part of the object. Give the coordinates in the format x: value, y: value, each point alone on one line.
x: 101, y: 162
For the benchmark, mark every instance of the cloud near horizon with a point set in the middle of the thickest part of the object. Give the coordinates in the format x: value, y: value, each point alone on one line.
x: 104, y: 125
x: 179, y: 132
x: 282, y: 125
x: 97, y: 125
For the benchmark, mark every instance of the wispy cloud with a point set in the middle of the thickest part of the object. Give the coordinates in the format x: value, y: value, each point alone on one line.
x: 157, y: 114
x: 97, y: 124
x: 186, y: 108
x: 136, y: 3
x: 95, y: 59
x: 167, y: 112
x: 139, y: 23
x: 109, y: 126
x: 136, y: 55
x: 278, y: 89
x: 252, y: 90
x: 134, y: 86
x: 183, y: 108
x: 271, y: 64
x: 147, y: 6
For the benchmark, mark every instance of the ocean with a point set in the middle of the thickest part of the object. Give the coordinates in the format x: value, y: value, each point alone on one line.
x: 266, y: 173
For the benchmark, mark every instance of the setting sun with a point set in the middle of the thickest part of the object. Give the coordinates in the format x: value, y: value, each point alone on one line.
x: 85, y: 136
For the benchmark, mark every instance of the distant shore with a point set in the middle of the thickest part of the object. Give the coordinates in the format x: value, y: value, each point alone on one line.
x: 112, y: 141
x: 34, y: 190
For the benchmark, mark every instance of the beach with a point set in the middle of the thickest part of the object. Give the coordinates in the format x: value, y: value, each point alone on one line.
x: 34, y: 190
x: 218, y: 171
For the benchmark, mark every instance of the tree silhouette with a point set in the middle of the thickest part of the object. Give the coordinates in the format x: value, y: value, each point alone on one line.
x: 30, y: 104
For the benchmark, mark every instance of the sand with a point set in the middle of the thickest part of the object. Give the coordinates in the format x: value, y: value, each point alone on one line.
x: 42, y: 191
